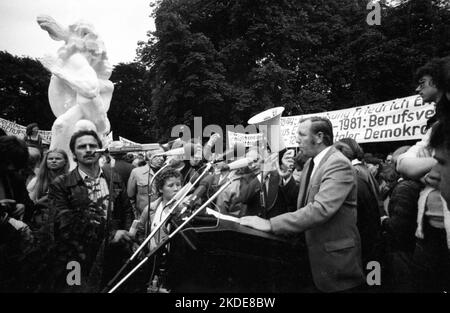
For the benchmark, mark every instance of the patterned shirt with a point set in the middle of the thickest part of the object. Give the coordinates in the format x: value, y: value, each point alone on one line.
x: 98, y: 191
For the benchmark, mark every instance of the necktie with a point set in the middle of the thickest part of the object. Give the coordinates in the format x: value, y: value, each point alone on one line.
x: 308, y: 177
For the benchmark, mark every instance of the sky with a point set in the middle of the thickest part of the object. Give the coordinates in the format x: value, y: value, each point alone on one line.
x: 120, y: 23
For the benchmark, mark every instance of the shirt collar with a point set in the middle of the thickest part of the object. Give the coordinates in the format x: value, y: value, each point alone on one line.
x: 84, y: 175
x: 320, y: 156
x: 356, y: 162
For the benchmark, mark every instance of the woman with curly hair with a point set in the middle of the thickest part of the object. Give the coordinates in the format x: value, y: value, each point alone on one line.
x: 168, y: 183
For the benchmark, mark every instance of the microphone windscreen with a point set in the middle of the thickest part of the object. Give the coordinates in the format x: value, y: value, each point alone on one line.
x: 239, y: 164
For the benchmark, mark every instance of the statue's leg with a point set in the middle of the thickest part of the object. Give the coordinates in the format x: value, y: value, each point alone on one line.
x: 62, y: 129
x: 93, y: 110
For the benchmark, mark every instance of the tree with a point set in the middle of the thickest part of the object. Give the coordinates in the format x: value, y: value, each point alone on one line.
x: 23, y: 91
x: 129, y: 112
x: 236, y: 58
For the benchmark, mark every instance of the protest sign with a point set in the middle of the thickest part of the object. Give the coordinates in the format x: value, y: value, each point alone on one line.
x: 399, y: 119
x: 247, y: 139
x: 14, y: 129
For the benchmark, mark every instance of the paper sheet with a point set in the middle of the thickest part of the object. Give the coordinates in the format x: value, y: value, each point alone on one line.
x: 222, y: 216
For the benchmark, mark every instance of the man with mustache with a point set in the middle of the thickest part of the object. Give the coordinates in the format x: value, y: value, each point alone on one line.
x: 80, y: 203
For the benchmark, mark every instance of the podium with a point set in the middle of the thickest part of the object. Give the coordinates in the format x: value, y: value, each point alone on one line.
x: 215, y: 255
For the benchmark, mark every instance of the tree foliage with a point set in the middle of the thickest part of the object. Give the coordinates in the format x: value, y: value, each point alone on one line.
x: 23, y: 91
x: 227, y: 60
x: 129, y: 110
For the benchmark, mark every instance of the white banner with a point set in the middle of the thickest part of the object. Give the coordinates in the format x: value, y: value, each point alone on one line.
x: 13, y: 129
x: 247, y: 139
x: 399, y: 119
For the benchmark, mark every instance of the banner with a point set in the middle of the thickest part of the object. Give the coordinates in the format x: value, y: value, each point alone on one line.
x: 399, y: 119
x: 247, y: 139
x: 13, y: 129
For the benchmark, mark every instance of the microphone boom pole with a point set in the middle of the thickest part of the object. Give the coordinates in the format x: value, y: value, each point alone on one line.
x: 166, y: 240
x: 153, y: 232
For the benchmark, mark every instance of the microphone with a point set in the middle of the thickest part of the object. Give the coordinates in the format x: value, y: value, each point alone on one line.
x: 126, y: 149
x: 173, y: 152
x: 185, y: 187
x: 238, y: 164
x: 238, y: 151
x: 203, y: 186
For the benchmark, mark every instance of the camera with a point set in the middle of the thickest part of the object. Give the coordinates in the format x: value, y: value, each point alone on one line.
x: 7, y: 208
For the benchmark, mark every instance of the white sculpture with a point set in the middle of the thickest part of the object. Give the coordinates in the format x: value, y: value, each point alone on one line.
x: 80, y: 91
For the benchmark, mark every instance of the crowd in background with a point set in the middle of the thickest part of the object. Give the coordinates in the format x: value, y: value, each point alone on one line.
x: 402, y: 217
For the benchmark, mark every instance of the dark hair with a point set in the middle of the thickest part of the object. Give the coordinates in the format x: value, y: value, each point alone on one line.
x: 345, y: 149
x: 82, y: 133
x: 373, y: 160
x: 29, y: 128
x: 436, y: 69
x: 321, y: 124
x: 357, y: 151
x: 161, y: 179
x: 13, y: 151
x: 387, y: 172
x: 439, y: 70
x: 440, y: 135
x: 390, y: 176
x: 2, y: 132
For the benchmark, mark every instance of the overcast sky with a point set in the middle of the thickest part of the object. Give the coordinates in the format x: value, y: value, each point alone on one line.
x: 120, y: 23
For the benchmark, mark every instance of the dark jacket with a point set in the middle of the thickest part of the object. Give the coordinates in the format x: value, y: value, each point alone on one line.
x: 278, y: 200
x: 69, y: 192
x: 122, y: 168
x: 81, y: 234
x: 401, y: 225
x: 16, y: 189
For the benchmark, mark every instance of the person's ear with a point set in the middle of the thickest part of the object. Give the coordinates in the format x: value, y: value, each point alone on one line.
x: 319, y: 137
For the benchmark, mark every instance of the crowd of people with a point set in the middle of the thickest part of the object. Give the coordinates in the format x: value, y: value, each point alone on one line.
x: 350, y: 208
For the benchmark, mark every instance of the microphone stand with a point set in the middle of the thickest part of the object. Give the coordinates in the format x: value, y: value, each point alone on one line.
x: 150, y: 191
x: 153, y: 232
x: 169, y: 237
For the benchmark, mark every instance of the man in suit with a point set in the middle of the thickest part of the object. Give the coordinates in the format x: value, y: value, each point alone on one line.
x: 326, y: 211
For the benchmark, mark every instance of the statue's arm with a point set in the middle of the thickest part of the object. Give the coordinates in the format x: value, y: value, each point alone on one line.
x: 76, y: 73
x: 55, y: 30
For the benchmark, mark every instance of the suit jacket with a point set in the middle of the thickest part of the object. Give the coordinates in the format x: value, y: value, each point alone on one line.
x: 277, y: 199
x: 329, y: 222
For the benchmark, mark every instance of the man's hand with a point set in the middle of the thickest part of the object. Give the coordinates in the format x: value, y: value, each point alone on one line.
x: 121, y: 236
x: 287, y: 165
x: 213, y: 139
x: 256, y: 222
x: 270, y: 162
